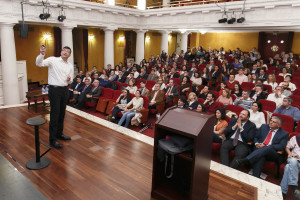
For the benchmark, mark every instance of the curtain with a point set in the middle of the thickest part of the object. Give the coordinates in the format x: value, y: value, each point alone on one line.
x: 57, y: 41
x: 85, y: 48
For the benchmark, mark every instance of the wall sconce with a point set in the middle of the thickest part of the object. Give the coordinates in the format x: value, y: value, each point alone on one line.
x: 122, y: 38
x: 46, y: 37
x: 147, y: 39
x: 169, y: 37
x: 91, y: 38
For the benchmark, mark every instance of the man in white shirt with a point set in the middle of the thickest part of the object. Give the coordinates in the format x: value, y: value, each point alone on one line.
x: 277, y: 97
x: 241, y: 77
x: 291, y: 85
x: 60, y: 74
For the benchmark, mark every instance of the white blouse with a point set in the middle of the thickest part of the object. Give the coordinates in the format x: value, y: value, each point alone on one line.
x: 257, y: 118
x: 274, y: 85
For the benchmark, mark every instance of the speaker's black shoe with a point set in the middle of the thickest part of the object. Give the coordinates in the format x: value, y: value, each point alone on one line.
x: 56, y: 145
x: 63, y: 137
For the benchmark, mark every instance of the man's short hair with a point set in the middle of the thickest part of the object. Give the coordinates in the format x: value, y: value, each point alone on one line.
x: 247, y: 112
x: 142, y: 82
x: 278, y: 118
x: 66, y: 47
x: 290, y: 100
x: 261, y: 87
x: 212, y: 94
x: 247, y: 91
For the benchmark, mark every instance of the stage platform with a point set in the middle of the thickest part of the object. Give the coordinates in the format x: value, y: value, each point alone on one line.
x: 104, y: 161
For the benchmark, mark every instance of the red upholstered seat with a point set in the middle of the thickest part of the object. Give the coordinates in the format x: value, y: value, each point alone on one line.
x: 234, y: 108
x: 268, y: 105
x: 247, y: 86
x: 269, y: 88
x: 296, y: 99
x: 112, y: 102
x: 200, y: 100
x: 150, y: 84
x: 176, y: 81
x: 106, y: 95
x: 288, y: 122
x: 138, y: 81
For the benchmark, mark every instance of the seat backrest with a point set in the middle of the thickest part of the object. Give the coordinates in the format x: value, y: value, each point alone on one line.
x: 234, y: 108
x: 268, y: 105
x: 269, y: 88
x: 107, y: 93
x: 138, y: 81
x: 288, y: 122
x: 296, y: 81
x: 296, y: 92
x: 296, y: 99
x: 116, y: 94
x: 146, y: 102
x: 200, y: 100
x: 219, y: 105
x: 247, y: 86
x: 176, y: 81
x: 233, y: 97
x: 215, y: 93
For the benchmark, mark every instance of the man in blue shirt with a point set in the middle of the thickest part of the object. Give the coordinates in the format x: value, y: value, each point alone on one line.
x: 286, y: 108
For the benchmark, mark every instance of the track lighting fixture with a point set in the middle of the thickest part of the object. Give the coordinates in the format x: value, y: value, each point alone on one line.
x: 61, y: 16
x: 224, y: 18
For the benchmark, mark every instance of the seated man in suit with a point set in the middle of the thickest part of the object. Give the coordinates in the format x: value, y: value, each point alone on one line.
x: 291, y: 170
x: 258, y: 93
x: 156, y: 96
x: 130, y: 77
x: 238, y: 133
x: 173, y: 73
x: 204, y: 92
x: 76, y: 86
x: 171, y: 91
x: 89, y: 97
x: 182, y: 103
x: 82, y: 92
x: 96, y: 77
x: 144, y: 91
x: 120, y: 78
x: 269, y: 139
x: 143, y: 74
x: 152, y: 76
x: 262, y: 75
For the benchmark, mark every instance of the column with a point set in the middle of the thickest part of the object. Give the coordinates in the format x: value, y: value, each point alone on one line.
x: 141, y: 4
x: 67, y: 40
x: 164, y: 41
x: 9, y: 65
x: 140, y: 46
x: 166, y: 2
x: 109, y: 47
x: 184, y: 41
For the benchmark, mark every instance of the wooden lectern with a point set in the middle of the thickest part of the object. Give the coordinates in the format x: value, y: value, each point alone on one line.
x: 191, y: 169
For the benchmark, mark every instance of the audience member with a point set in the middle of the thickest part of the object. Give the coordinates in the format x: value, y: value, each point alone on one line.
x: 241, y: 77
x: 144, y: 91
x: 291, y: 169
x: 225, y: 98
x: 220, y: 125
x: 269, y: 139
x: 152, y: 76
x: 185, y: 85
x: 210, y: 103
x: 156, y: 97
x: 256, y: 114
x: 122, y: 101
x: 245, y: 101
x: 192, y: 101
x: 238, y: 133
x: 137, y: 104
x: 201, y: 108
x: 237, y: 91
x: 258, y: 93
x: 131, y: 87
x: 277, y: 96
x: 170, y: 91
x: 271, y: 81
x: 291, y: 85
x: 286, y: 108
x: 231, y: 82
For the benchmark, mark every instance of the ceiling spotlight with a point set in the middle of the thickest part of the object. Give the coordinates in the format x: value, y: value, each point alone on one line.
x: 241, y: 20
x: 231, y: 21
x: 44, y: 16
x: 61, y: 18
x: 62, y: 15
x: 224, y: 18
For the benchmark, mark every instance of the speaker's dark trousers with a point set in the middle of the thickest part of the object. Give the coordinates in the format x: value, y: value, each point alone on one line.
x: 58, y: 97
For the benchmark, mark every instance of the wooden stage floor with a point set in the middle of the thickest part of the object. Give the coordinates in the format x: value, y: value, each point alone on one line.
x: 98, y: 163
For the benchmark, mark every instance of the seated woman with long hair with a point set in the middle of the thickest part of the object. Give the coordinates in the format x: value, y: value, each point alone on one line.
x: 192, y: 101
x: 201, y: 108
x: 122, y: 101
x: 256, y: 114
x: 271, y: 81
x: 220, y: 125
x: 131, y: 87
x: 225, y: 98
x: 137, y: 104
x: 237, y: 91
x: 196, y: 81
x: 253, y: 78
x: 185, y: 85
x: 205, y: 75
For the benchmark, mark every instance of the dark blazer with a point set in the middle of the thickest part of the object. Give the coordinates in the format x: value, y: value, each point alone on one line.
x: 87, y: 90
x: 194, y: 105
x: 248, y: 133
x: 144, y: 76
x: 146, y: 92
x: 79, y: 88
x: 260, y: 96
x: 279, y: 141
x: 95, y: 93
x: 174, y: 76
x: 121, y: 80
x: 174, y: 91
x: 265, y: 77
